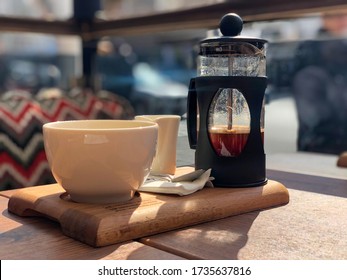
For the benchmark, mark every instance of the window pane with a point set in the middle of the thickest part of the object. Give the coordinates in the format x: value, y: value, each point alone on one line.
x: 32, y: 61
x: 113, y: 9
x: 44, y: 9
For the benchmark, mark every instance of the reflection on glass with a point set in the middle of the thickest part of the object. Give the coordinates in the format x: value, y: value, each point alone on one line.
x: 229, y: 122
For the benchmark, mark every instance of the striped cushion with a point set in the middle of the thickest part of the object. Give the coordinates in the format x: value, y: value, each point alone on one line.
x: 22, y: 157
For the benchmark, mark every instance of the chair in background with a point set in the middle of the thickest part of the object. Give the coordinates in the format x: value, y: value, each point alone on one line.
x: 23, y: 160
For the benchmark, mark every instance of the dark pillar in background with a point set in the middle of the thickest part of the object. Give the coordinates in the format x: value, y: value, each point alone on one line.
x: 84, y: 12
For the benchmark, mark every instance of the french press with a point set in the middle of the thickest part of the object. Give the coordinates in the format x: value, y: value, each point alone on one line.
x: 225, y: 112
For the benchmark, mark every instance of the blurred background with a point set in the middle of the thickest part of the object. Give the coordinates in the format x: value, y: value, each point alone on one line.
x: 152, y: 71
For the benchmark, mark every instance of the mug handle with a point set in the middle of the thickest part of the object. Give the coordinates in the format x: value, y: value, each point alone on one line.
x: 192, y: 115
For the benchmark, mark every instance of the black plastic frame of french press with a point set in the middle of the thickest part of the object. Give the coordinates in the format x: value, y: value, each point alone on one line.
x: 247, y: 169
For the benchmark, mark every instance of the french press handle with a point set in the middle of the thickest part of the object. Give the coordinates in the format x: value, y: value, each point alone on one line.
x: 192, y: 115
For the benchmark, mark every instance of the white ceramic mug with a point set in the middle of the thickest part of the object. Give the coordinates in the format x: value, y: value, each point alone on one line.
x: 165, y: 159
x: 100, y: 161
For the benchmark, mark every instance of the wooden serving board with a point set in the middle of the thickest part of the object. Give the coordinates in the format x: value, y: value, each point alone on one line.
x: 146, y: 214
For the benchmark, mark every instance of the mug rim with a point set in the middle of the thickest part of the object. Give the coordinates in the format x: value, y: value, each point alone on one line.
x: 159, y: 116
x: 73, y: 125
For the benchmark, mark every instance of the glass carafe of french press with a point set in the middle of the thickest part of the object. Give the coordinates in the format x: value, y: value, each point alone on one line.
x: 225, y: 115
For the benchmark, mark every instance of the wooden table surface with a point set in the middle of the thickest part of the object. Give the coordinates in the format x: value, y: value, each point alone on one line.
x: 312, y: 226
x: 39, y: 238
